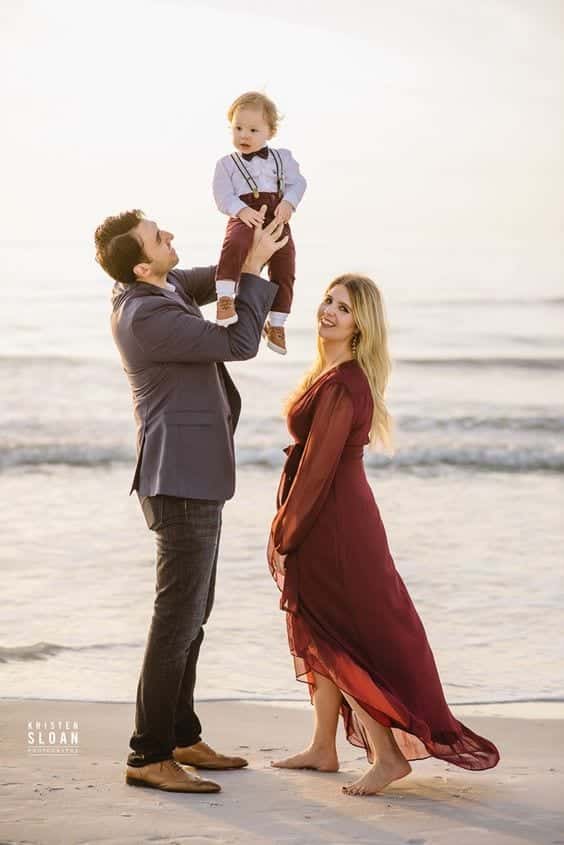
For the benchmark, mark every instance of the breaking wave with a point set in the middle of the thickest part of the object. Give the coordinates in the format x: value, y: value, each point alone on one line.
x: 42, y: 650
x: 476, y: 457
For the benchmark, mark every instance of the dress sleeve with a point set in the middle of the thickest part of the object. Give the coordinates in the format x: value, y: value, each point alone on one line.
x: 330, y: 429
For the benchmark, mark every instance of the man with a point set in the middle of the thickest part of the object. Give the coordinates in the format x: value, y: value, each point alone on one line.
x: 186, y: 408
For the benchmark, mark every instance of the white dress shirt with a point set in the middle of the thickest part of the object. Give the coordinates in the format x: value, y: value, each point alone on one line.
x: 229, y: 183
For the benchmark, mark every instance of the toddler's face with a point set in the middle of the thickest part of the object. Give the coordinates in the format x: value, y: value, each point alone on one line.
x: 250, y: 130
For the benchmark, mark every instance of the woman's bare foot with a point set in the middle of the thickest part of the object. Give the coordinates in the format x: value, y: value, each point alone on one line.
x: 378, y: 777
x: 322, y: 760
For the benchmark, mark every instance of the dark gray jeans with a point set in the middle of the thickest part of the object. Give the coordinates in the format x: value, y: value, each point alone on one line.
x: 187, y: 534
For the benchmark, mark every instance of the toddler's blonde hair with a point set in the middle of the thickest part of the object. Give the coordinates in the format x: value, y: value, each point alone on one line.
x: 256, y: 100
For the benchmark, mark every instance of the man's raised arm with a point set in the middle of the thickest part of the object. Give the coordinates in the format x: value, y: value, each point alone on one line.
x: 199, y: 283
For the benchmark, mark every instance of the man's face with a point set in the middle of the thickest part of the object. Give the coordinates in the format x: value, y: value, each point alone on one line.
x: 250, y: 130
x: 157, y: 246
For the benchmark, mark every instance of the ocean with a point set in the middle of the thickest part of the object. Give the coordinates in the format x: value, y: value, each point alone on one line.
x: 472, y: 498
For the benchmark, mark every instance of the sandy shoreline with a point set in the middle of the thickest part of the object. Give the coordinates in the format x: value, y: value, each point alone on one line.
x: 72, y: 798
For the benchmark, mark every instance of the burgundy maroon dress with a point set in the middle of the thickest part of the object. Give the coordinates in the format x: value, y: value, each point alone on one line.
x: 349, y: 615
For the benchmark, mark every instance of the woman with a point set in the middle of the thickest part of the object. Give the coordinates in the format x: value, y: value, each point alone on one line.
x: 354, y: 633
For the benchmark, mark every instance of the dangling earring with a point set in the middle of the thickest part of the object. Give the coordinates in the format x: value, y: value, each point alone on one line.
x: 354, y: 344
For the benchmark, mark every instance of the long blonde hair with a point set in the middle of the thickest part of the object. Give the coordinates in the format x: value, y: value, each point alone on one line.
x: 371, y: 351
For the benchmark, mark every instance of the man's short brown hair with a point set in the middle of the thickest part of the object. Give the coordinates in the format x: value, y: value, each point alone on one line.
x: 117, y: 250
x: 260, y: 102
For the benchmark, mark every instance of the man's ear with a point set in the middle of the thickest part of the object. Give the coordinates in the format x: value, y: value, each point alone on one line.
x: 141, y: 271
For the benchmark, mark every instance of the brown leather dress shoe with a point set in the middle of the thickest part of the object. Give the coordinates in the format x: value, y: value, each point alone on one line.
x: 204, y: 757
x: 170, y: 777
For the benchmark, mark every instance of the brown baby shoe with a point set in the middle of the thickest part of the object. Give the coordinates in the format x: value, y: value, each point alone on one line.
x: 275, y: 338
x: 225, y: 312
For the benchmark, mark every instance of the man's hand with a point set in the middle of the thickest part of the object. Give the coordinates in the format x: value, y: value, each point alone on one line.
x: 252, y: 218
x: 265, y: 244
x: 283, y: 211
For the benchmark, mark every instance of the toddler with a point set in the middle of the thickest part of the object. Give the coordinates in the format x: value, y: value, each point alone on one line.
x: 253, y: 176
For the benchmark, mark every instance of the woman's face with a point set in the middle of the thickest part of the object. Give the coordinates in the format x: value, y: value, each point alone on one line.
x: 334, y: 315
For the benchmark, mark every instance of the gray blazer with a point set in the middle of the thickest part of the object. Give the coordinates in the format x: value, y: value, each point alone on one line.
x: 185, y: 403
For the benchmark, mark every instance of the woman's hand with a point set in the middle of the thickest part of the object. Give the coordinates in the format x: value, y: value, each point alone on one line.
x: 276, y: 560
x: 279, y: 562
x: 265, y: 244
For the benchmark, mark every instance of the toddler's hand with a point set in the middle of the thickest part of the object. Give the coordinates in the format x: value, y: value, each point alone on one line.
x: 250, y: 217
x: 283, y: 211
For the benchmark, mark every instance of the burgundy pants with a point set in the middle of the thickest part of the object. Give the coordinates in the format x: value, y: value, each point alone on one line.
x: 236, y: 245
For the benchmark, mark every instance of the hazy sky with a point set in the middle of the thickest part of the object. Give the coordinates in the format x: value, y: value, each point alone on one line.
x: 415, y: 121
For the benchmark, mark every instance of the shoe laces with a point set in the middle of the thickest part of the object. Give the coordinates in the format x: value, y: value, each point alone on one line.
x: 175, y: 766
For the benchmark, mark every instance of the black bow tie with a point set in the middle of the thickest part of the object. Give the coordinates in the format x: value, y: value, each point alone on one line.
x: 262, y: 153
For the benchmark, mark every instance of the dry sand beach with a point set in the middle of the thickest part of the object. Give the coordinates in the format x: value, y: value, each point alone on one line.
x: 80, y: 798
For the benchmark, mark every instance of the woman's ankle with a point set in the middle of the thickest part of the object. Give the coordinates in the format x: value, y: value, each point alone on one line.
x: 323, y: 746
x: 389, y: 757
